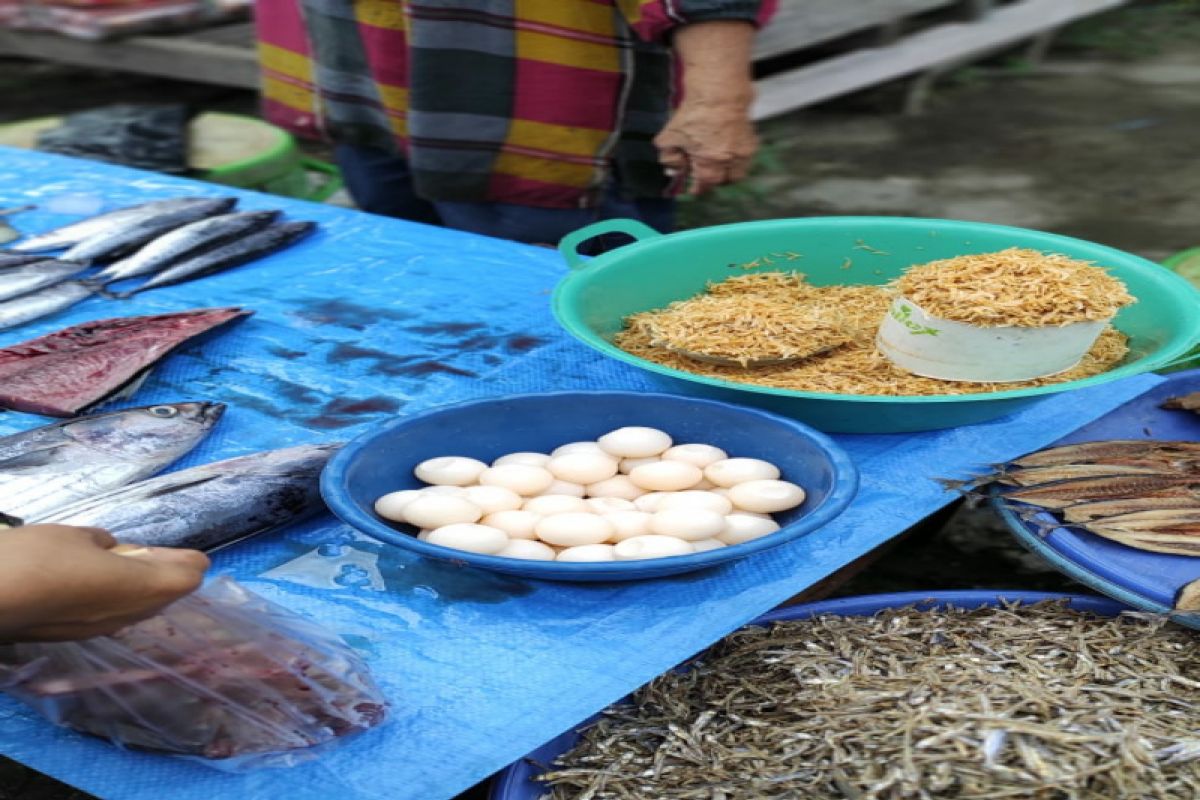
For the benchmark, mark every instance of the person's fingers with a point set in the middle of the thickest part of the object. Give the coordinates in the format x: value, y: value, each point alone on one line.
x: 708, y: 173
x: 192, y: 559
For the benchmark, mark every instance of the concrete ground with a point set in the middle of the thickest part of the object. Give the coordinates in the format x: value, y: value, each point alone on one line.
x: 1099, y: 142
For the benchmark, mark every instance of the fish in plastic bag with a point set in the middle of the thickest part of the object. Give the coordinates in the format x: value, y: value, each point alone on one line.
x: 222, y: 676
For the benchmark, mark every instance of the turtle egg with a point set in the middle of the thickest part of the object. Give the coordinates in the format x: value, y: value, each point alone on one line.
x: 628, y: 465
x: 572, y: 529
x: 741, y: 527
x: 704, y: 545
x: 732, y: 471
x: 436, y: 511
x: 423, y: 535
x: 607, y: 505
x: 452, y: 491
x: 526, y: 458
x: 470, y: 537
x: 587, y: 552
x: 696, y: 499
x: 527, y: 549
x: 450, y: 470
x: 687, y: 523
x: 517, y: 524
x: 698, y: 455
x: 492, y: 498
x: 576, y: 447
x: 634, y: 442
x: 651, y: 546
x: 618, y: 486
x: 564, y: 487
x: 650, y: 501
x: 582, y: 467
x: 666, y: 476
x: 628, y: 524
x: 521, y: 478
x: 391, y: 505
x: 766, y: 496
x: 547, y: 504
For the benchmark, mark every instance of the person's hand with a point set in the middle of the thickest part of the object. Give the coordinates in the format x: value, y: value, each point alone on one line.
x: 63, y: 583
x: 708, y: 143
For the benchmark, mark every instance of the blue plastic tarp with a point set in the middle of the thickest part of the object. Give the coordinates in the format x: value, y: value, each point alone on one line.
x: 374, y: 317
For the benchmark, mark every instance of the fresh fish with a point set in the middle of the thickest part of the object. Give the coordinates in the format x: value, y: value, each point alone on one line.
x: 184, y: 242
x: 29, y: 307
x: 1108, y: 487
x: 1091, y: 452
x: 212, y: 505
x: 17, y: 281
x: 76, y: 232
x: 64, y: 372
x: 116, y: 240
x: 47, y: 468
x: 9, y: 260
x: 1085, y: 512
x: 236, y: 252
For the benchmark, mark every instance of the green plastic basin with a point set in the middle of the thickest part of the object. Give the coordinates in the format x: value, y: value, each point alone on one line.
x: 592, y: 302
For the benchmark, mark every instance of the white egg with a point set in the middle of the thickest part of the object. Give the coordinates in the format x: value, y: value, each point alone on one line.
x: 608, y: 505
x: 634, y: 442
x: 628, y: 524
x: 698, y: 455
x: 450, y: 470
x: 546, y: 504
x: 651, y: 546
x: 577, y: 447
x: 705, y: 485
x: 492, y: 498
x: 391, y: 505
x: 732, y: 471
x: 628, y: 465
x: 521, y: 478
x: 687, y: 523
x: 582, y: 467
x: 704, y: 545
x: 666, y: 476
x: 617, y: 486
x: 517, y: 524
x: 741, y: 527
x: 523, y: 457
x: 470, y: 537
x: 423, y: 535
x: 436, y: 511
x: 587, y: 552
x: 696, y: 499
x: 527, y: 549
x: 720, y: 491
x: 574, y: 528
x: 564, y: 487
x: 766, y: 496
x: 452, y: 491
x: 651, y: 501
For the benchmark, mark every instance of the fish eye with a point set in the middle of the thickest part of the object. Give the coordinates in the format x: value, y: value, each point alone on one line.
x: 163, y: 411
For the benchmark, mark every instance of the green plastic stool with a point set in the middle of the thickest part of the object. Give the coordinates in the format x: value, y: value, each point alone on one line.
x: 1186, y: 264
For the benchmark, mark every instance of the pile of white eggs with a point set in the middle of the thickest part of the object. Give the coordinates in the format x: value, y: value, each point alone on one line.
x: 632, y: 494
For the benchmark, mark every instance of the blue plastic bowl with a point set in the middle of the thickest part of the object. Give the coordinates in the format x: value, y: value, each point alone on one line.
x: 519, y: 780
x: 382, y: 460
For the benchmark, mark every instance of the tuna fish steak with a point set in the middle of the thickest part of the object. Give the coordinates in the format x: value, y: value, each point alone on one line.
x: 63, y: 373
x: 47, y: 468
x: 213, y: 505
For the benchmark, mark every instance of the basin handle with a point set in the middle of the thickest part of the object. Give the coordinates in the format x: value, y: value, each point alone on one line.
x: 569, y: 246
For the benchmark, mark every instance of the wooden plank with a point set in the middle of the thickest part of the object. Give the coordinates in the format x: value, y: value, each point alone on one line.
x: 802, y: 23
x: 841, y: 75
x: 176, y: 57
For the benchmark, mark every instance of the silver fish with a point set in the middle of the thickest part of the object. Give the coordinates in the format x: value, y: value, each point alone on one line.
x: 184, y: 242
x: 76, y: 232
x: 210, y: 506
x: 114, y: 240
x: 29, y: 307
x: 9, y: 260
x: 239, y: 251
x: 17, y: 281
x: 48, y: 468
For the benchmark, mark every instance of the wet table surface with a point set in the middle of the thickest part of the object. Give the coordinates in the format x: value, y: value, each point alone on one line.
x: 374, y: 317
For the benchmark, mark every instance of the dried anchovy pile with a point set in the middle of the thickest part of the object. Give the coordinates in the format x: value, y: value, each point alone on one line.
x: 1038, y: 701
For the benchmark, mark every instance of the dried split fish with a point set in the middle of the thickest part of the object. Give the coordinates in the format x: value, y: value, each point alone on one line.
x: 1188, y: 598
x: 1010, y: 702
x: 1188, y: 402
x: 1061, y: 494
x: 1104, y: 452
x: 1036, y: 476
x: 1111, y: 508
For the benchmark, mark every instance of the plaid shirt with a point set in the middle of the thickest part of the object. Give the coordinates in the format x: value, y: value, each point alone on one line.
x: 533, y: 102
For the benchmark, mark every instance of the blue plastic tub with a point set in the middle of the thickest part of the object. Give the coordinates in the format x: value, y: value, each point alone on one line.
x: 382, y: 459
x: 517, y: 782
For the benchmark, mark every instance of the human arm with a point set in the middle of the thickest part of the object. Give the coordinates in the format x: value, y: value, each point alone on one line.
x: 63, y: 583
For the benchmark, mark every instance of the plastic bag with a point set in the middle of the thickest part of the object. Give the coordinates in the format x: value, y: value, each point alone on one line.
x: 143, y: 136
x: 222, y: 676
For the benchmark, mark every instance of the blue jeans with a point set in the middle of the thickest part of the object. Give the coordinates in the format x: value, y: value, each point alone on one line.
x: 380, y: 183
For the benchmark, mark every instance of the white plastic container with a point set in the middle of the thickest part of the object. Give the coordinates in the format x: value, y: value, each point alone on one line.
x: 954, y: 351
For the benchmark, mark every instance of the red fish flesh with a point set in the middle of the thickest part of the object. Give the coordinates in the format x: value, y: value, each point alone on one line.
x: 68, y: 371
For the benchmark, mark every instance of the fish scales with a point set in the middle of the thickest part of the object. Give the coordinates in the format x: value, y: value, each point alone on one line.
x: 76, y: 232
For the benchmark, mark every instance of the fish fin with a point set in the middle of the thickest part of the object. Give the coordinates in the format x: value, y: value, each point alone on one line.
x: 123, y: 392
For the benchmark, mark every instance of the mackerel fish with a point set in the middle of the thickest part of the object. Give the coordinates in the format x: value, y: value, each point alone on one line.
x: 76, y: 232
x: 53, y: 466
x: 117, y: 239
x: 29, y: 307
x: 27, y: 278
